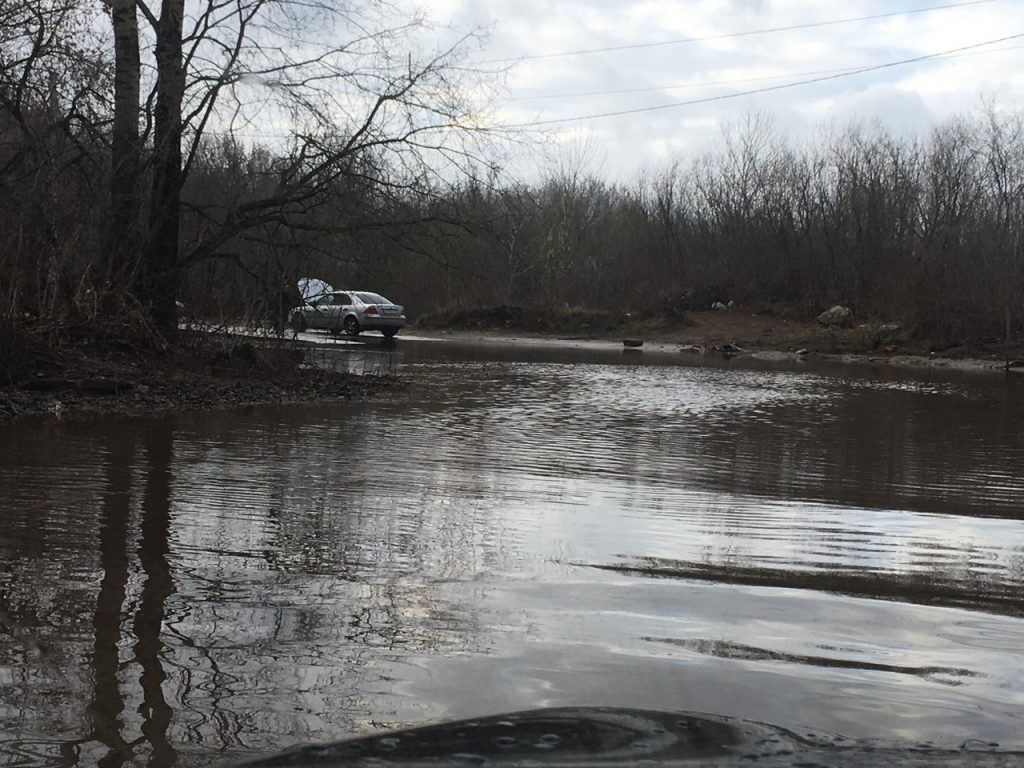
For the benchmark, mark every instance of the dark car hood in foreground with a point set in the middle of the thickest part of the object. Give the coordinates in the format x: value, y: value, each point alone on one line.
x: 621, y: 737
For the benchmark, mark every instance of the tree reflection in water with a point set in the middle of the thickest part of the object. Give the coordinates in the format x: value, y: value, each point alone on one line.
x: 203, y: 594
x: 221, y: 585
x: 107, y: 703
x: 111, y: 615
x: 149, y: 617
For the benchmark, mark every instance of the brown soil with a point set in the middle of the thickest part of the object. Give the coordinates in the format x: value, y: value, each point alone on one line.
x: 119, y: 377
x: 763, y: 332
x: 750, y: 331
x: 760, y: 332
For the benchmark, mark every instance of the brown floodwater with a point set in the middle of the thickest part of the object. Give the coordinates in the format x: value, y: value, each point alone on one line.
x: 828, y: 549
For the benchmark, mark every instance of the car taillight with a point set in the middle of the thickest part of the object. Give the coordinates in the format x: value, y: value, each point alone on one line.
x: 370, y: 310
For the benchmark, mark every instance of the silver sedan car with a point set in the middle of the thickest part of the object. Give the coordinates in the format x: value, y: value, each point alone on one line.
x: 350, y: 311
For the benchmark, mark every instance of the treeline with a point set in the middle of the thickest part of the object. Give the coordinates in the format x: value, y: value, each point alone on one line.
x: 132, y: 176
x: 925, y: 232
x: 53, y: 162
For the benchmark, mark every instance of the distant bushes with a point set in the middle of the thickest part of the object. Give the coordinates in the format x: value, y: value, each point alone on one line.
x: 14, y: 351
x: 927, y: 233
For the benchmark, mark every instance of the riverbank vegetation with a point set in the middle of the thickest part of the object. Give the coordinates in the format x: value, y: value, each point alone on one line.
x: 145, y: 148
x: 926, y: 234
x: 923, y: 234
x: 138, y: 184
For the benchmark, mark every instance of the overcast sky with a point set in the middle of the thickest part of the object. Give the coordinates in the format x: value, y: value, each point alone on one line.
x: 907, y: 98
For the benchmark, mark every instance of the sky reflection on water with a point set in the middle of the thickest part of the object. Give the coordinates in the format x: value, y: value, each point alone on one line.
x: 795, y: 546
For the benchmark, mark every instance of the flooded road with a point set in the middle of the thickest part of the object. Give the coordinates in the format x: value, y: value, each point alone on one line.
x: 828, y: 549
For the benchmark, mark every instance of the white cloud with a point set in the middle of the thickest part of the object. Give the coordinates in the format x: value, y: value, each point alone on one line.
x: 908, y: 98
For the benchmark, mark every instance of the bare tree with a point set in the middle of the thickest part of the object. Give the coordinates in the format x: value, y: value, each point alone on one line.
x: 126, y: 149
x: 53, y: 85
x: 353, y: 109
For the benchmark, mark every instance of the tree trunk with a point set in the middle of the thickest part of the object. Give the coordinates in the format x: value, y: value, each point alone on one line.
x: 122, y: 251
x: 160, y: 268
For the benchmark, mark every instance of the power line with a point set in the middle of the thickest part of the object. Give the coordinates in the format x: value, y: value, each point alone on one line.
x: 783, y: 86
x: 729, y: 35
x: 734, y: 81
x: 829, y: 75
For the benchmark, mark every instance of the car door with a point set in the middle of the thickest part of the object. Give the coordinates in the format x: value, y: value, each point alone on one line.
x: 342, y: 306
x: 320, y: 317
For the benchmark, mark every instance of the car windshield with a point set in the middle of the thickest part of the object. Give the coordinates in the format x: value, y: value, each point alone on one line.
x: 372, y: 298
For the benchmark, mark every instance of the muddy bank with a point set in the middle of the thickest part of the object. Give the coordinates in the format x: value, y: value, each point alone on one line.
x: 200, y: 372
x: 732, y: 332
x: 574, y: 320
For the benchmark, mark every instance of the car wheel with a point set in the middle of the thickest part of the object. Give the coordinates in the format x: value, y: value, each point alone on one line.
x: 351, y: 326
x: 298, y: 322
x: 389, y: 332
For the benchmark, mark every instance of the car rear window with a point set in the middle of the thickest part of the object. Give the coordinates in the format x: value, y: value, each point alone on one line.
x: 372, y: 298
